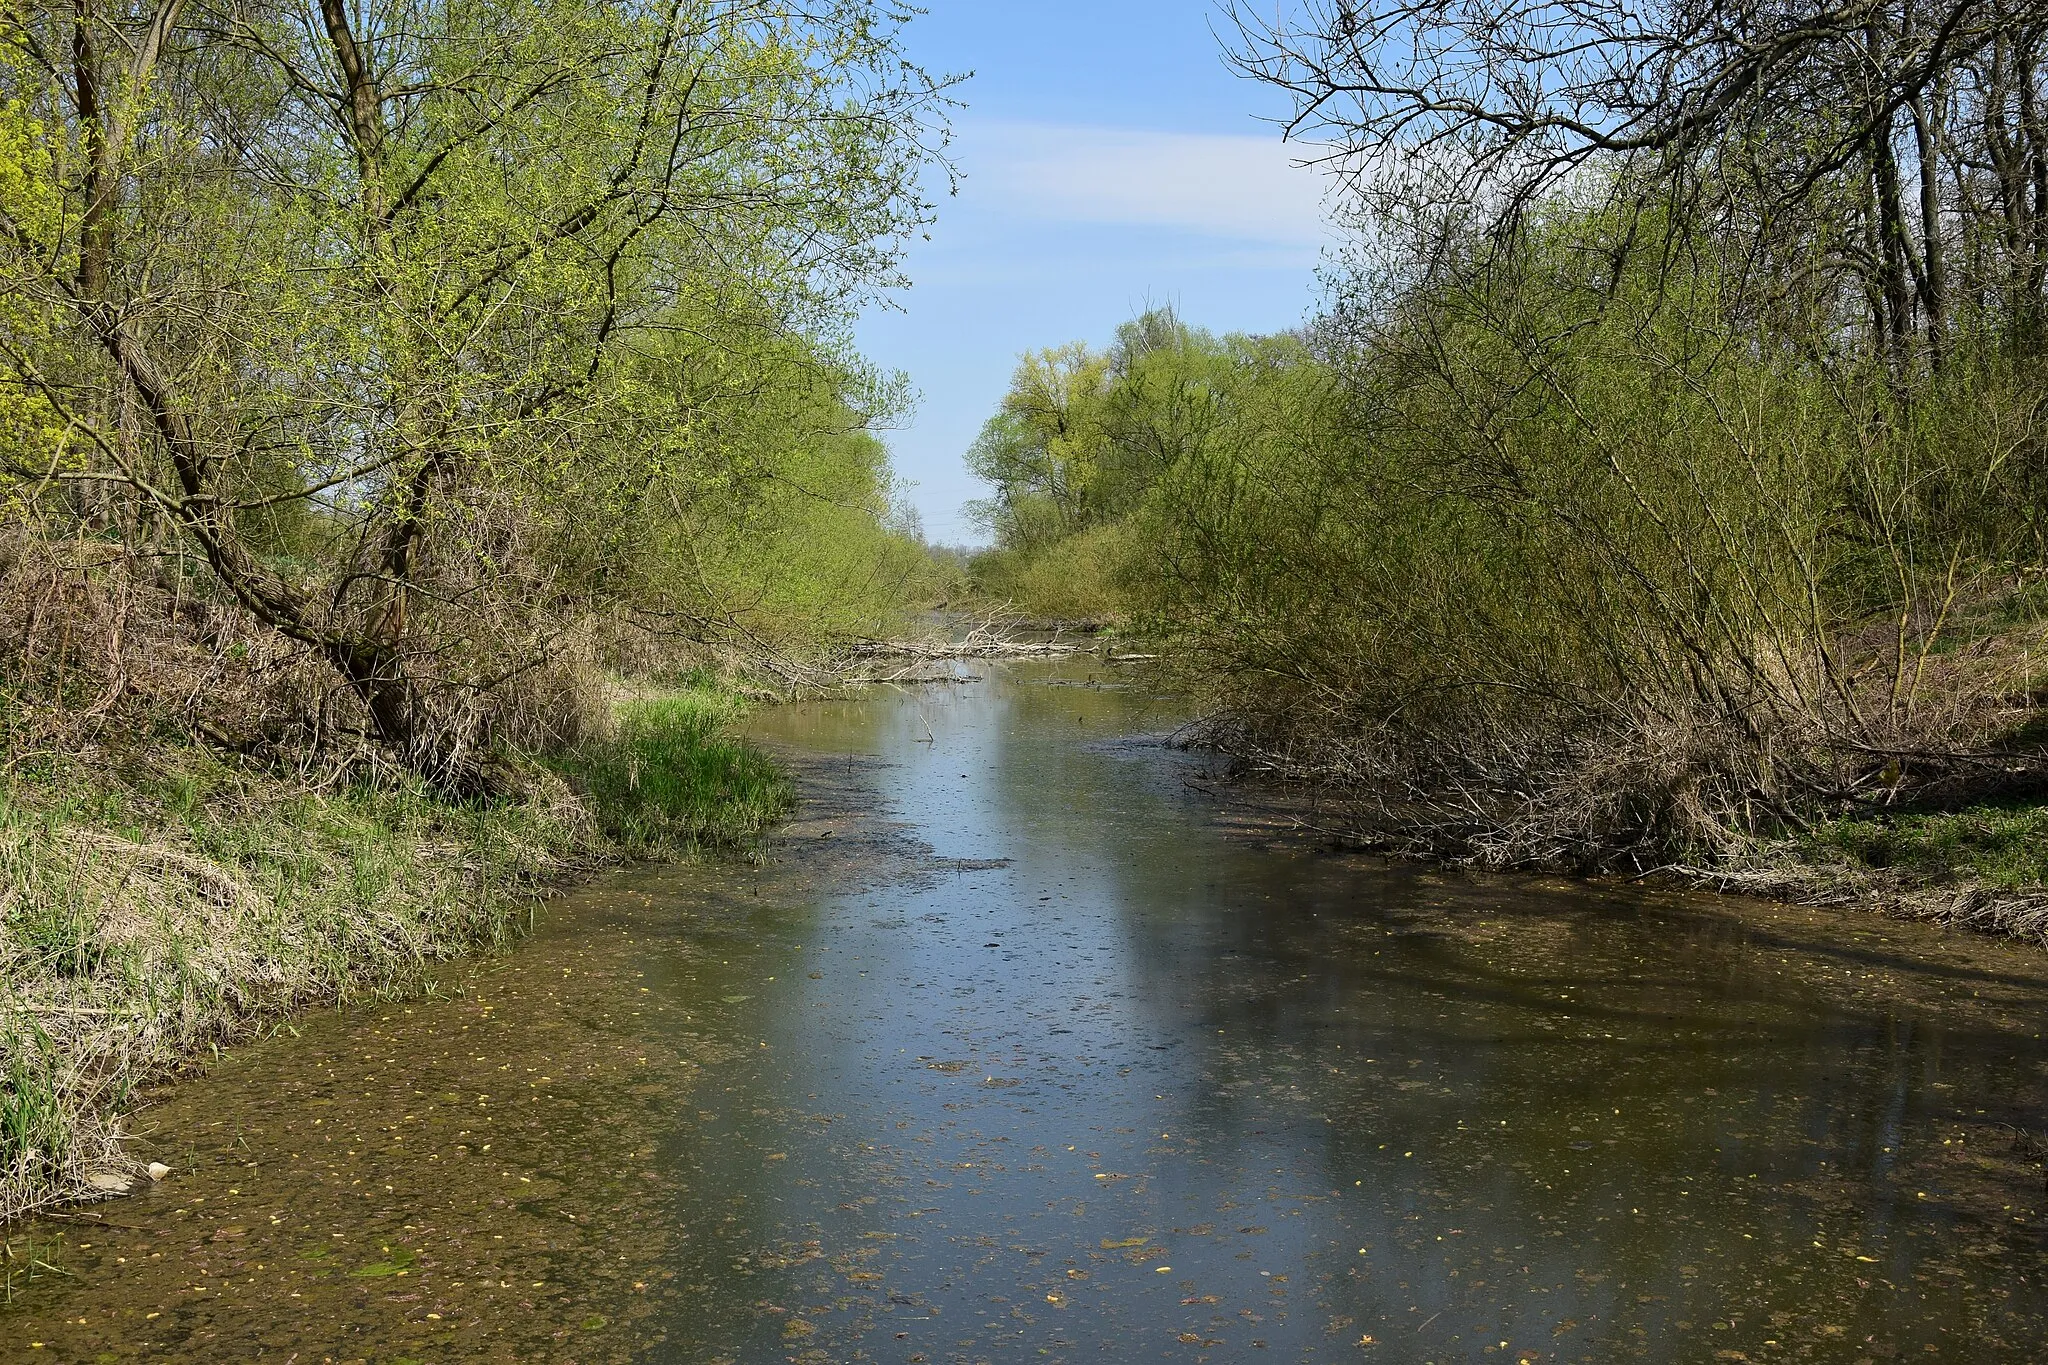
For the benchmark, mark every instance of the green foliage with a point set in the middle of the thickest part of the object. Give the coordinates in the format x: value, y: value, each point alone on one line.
x: 791, y: 529
x: 1559, y: 547
x: 1536, y: 498
x: 2003, y: 845
x: 1073, y: 578
x: 1675, y: 491
x: 544, y: 325
x: 673, y: 779
x: 30, y: 430
x: 1080, y: 440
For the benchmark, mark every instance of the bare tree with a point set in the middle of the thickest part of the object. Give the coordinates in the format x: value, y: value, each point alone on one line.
x: 1923, y: 115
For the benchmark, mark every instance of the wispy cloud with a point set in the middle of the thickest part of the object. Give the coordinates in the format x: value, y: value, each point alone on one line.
x: 1240, y: 187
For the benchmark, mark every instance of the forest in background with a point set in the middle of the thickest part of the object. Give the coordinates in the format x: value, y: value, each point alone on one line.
x: 1663, y: 483
x: 415, y: 415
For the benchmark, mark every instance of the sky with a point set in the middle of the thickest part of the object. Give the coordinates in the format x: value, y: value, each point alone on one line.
x: 1110, y: 161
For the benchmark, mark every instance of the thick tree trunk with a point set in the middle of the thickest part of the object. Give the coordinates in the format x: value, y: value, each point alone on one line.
x: 96, y: 224
x: 2034, y: 139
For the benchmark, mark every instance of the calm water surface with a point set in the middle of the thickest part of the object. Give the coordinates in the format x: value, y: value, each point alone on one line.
x: 1015, y: 1051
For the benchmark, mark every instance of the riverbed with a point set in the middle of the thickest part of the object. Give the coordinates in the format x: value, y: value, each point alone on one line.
x: 1025, y: 1043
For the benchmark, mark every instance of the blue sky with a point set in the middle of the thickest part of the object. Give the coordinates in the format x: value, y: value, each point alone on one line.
x: 1110, y: 161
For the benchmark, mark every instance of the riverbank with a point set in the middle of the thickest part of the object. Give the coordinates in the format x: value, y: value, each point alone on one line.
x: 1000, y: 1021
x: 1981, y: 866
x: 161, y: 897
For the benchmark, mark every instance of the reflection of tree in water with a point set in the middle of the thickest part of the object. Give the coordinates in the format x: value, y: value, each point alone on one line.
x: 1593, y: 1122
x: 1779, y: 1081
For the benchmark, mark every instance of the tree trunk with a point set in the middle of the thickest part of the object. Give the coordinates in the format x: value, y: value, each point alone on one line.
x: 1927, y: 134
x: 403, y: 718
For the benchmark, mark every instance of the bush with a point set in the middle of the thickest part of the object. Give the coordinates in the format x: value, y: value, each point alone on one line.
x: 1078, y: 578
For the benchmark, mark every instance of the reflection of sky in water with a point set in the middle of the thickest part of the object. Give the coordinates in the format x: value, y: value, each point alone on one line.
x: 1143, y: 1091
x: 1149, y: 1092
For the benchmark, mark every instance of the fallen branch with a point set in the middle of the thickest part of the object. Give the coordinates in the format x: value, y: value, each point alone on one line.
x: 927, y: 650
x: 992, y: 639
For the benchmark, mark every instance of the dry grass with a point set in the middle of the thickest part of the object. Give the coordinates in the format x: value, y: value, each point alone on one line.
x: 147, y: 917
x: 196, y: 839
x: 1785, y: 873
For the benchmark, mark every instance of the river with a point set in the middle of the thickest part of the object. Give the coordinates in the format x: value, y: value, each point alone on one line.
x: 1023, y: 1044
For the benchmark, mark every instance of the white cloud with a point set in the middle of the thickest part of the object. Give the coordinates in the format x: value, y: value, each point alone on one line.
x: 1246, y: 188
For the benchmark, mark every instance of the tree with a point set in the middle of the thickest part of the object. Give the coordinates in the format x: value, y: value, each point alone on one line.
x: 440, y: 274
x: 1891, y: 156
x: 1082, y: 435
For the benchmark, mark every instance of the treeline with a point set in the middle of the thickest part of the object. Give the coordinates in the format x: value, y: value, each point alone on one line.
x: 1664, y: 478
x: 372, y: 371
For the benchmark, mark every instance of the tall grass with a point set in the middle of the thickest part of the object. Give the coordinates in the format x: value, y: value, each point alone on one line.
x: 672, y: 778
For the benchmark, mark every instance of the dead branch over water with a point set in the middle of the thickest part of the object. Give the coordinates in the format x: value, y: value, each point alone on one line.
x: 994, y: 639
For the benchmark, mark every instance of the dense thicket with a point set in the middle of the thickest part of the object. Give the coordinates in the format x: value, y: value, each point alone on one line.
x: 402, y: 345
x: 1081, y: 439
x: 1667, y: 470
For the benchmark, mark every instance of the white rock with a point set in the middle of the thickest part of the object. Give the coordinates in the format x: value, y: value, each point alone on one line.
x: 108, y: 1182
x: 157, y: 1170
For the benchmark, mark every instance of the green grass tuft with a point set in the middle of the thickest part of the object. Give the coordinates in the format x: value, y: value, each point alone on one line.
x: 673, y: 778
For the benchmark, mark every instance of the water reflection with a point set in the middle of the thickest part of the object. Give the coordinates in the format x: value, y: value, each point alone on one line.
x: 1010, y: 1054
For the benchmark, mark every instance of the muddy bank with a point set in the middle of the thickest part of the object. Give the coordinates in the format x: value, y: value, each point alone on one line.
x: 1274, y: 812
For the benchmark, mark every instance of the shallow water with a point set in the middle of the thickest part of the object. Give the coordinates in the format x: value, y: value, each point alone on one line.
x: 1022, y: 1047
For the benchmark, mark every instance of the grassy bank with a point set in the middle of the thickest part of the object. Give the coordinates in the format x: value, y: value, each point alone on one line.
x: 672, y: 776
x: 158, y: 899
x: 1983, y: 866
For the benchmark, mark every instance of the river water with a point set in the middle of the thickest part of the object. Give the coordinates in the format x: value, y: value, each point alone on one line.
x: 1022, y: 1045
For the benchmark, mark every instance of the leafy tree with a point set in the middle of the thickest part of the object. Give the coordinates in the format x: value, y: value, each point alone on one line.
x: 471, y: 284
x: 1082, y: 435
x: 29, y: 434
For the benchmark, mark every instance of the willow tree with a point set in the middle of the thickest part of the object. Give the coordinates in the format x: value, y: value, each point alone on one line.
x: 1082, y: 435
x: 415, y: 271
